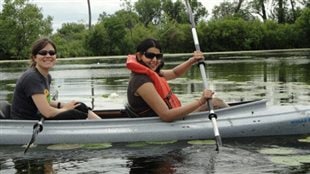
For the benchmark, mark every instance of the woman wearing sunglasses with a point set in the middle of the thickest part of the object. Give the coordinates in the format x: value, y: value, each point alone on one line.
x: 148, y: 92
x: 32, y: 100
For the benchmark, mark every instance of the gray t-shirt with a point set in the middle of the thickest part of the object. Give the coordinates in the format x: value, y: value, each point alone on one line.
x: 137, y: 104
x: 31, y: 82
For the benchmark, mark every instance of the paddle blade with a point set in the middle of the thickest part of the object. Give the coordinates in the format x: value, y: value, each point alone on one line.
x: 31, y: 140
x: 37, y: 128
x: 28, y: 145
x: 218, y: 142
x: 217, y: 135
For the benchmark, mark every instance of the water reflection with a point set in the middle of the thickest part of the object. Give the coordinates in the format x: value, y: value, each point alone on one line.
x: 238, y: 155
x: 44, y: 166
x: 151, y: 165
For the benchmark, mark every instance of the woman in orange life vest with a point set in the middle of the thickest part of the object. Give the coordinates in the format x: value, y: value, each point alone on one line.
x: 148, y: 92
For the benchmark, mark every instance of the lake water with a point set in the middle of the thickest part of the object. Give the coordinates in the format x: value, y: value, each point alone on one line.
x: 282, y: 78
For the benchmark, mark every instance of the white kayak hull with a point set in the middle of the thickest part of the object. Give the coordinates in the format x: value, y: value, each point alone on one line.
x: 247, y: 120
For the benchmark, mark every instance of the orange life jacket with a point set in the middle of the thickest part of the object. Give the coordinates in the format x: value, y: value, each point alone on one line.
x: 160, y: 83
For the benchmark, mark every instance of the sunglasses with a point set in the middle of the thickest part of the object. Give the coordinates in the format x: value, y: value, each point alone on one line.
x: 152, y: 55
x: 44, y: 52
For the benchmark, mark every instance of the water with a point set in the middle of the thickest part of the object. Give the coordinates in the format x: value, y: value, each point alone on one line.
x: 237, y: 156
x: 280, y: 78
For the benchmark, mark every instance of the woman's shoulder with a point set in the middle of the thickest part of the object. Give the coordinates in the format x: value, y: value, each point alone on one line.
x: 137, y: 78
x: 30, y: 73
x: 138, y: 75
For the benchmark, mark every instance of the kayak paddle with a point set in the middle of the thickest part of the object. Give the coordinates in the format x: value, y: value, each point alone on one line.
x: 38, y: 127
x: 201, y: 64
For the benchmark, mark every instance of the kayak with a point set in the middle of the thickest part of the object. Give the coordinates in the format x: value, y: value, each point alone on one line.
x: 242, y: 119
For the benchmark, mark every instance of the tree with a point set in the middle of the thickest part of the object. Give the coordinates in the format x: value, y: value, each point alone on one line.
x: 305, y: 3
x: 280, y: 11
x: 129, y: 19
x: 21, y: 24
x: 112, y: 30
x: 303, y: 28
x: 175, y: 11
x: 176, y: 38
x: 231, y: 9
x: 258, y: 7
x: 71, y: 39
x: 231, y: 34
x: 97, y: 40
x: 89, y: 14
x: 178, y: 12
x: 149, y: 11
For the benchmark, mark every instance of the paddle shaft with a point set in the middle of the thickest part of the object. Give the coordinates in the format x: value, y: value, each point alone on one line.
x: 38, y: 127
x: 212, y: 115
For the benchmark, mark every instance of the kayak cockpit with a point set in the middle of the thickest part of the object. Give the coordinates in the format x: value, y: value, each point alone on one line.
x: 5, y: 109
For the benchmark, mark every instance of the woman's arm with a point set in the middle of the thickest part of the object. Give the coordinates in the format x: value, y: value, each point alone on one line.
x: 183, y: 67
x: 51, y: 110
x: 149, y: 94
x: 55, y: 104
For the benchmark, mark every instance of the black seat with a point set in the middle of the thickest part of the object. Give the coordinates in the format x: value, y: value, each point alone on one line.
x: 5, y: 110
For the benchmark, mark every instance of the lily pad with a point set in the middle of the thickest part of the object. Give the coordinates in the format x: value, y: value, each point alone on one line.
x: 201, y: 142
x: 305, y: 140
x: 97, y: 146
x: 161, y: 142
x: 277, y: 151
x: 295, y: 160
x: 137, y: 144
x: 105, y: 95
x: 64, y: 146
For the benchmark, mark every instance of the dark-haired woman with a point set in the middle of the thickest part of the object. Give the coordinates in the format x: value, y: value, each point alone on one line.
x: 32, y: 100
x: 148, y: 92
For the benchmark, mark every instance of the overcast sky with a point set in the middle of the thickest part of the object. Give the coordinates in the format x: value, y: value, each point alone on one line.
x: 64, y: 11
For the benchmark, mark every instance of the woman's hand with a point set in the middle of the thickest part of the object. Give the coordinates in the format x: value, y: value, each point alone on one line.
x: 71, y: 105
x: 197, y: 56
x: 206, y: 94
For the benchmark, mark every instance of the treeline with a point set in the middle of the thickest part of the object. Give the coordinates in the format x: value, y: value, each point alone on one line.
x: 233, y: 26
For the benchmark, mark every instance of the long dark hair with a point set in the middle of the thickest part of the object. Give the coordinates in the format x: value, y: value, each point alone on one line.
x: 145, y: 45
x: 39, y: 45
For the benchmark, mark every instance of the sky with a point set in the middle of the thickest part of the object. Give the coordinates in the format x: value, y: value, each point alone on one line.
x: 66, y: 11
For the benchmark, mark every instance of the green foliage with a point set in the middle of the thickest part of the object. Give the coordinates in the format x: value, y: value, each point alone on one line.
x: 110, y: 32
x: 231, y: 34
x: 199, y: 11
x: 278, y: 36
x: 138, y: 33
x: 115, y: 29
x: 231, y: 9
x: 303, y: 28
x: 21, y: 24
x: 70, y: 40
x: 118, y: 34
x: 172, y: 33
x: 175, y: 11
x: 97, y: 40
x: 148, y: 11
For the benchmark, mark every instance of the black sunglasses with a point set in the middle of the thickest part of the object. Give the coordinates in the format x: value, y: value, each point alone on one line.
x: 152, y: 55
x: 44, y: 52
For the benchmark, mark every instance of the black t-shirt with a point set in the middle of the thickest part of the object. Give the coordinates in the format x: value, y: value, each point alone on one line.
x: 31, y: 82
x: 138, y: 105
